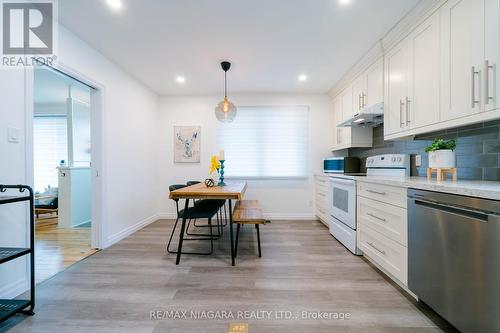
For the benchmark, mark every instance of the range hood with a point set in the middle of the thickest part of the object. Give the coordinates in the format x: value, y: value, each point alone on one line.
x: 371, y: 116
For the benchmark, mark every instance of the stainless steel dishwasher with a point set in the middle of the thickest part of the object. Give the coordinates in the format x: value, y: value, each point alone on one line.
x: 454, y: 257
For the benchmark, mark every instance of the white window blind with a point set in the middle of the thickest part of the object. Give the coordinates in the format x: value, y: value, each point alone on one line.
x: 266, y: 142
x: 50, y: 147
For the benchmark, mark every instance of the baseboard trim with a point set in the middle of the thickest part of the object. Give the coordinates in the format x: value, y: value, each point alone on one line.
x: 269, y: 216
x: 15, y: 288
x: 130, y: 230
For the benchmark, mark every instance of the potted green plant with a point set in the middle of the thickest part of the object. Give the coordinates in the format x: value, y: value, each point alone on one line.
x: 442, y: 153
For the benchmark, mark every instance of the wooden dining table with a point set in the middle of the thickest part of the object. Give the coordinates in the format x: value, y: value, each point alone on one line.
x: 233, y: 190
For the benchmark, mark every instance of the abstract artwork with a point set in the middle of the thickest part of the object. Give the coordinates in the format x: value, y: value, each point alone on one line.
x: 187, y: 144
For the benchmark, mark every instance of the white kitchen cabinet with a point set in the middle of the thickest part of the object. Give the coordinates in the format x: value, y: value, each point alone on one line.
x: 396, y: 88
x: 321, y: 199
x: 423, y: 102
x: 383, y: 228
x: 462, y: 65
x: 368, y: 87
x: 347, y: 112
x: 413, y: 78
x: 347, y: 137
x: 358, y: 89
x: 492, y: 55
x: 374, y: 77
x: 337, y: 119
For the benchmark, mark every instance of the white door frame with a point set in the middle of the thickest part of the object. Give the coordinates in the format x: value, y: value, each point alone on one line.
x: 97, y: 143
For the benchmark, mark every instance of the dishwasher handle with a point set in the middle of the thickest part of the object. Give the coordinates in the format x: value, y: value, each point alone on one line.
x: 458, y: 210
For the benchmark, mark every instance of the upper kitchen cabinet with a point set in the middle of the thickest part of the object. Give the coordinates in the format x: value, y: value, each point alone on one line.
x: 396, y: 88
x: 368, y: 87
x: 492, y: 55
x: 413, y: 76
x: 347, y: 137
x: 463, y: 60
x: 422, y: 104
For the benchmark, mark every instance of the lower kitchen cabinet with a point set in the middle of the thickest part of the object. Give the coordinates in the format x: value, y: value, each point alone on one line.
x: 383, y: 228
x: 321, y: 199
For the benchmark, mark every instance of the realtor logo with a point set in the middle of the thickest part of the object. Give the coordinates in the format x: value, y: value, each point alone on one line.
x: 27, y: 28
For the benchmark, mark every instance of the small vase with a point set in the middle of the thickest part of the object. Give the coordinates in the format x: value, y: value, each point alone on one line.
x: 444, y: 158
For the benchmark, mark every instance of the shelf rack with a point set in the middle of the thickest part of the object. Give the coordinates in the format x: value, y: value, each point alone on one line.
x: 9, y: 307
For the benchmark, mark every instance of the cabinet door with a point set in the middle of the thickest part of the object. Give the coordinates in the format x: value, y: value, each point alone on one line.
x: 358, y: 93
x: 422, y: 106
x: 374, y: 83
x: 462, y: 57
x: 396, y: 88
x: 492, y: 55
x: 345, y: 132
x: 337, y: 118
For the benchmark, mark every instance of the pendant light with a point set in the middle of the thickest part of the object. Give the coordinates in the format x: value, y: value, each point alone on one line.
x: 225, y: 111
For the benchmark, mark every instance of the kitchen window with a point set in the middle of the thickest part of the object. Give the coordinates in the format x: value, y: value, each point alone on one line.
x: 266, y: 142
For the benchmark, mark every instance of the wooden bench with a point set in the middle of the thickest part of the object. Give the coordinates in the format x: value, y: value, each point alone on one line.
x: 248, y: 212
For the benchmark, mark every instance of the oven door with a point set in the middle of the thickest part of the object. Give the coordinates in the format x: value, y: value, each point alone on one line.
x: 343, y: 201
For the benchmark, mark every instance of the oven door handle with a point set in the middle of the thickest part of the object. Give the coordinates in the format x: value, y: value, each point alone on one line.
x: 339, y: 181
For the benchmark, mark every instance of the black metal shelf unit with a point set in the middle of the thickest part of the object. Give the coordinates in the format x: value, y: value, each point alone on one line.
x: 9, y: 307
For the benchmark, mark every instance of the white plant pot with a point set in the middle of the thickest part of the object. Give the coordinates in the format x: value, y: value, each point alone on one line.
x: 444, y: 158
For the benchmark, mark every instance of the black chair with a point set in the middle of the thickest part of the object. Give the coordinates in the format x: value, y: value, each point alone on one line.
x: 202, y: 212
x: 208, y: 204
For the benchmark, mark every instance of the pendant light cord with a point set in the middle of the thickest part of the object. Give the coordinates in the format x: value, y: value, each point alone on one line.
x: 225, y: 84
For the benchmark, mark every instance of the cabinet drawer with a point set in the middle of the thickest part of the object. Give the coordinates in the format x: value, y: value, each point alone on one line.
x: 391, y: 256
x: 389, y: 220
x: 388, y: 194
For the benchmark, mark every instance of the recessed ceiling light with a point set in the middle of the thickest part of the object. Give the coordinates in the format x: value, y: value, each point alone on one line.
x: 115, y: 4
x: 345, y: 2
x: 302, y: 77
x: 180, y: 79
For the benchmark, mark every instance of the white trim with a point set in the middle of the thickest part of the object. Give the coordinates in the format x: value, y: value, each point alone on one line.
x: 15, y: 288
x: 130, y: 230
x: 98, y: 150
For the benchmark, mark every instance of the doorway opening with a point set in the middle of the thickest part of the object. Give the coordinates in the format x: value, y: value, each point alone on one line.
x: 62, y: 171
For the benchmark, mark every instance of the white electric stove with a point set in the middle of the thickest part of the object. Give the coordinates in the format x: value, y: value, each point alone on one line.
x: 343, y: 219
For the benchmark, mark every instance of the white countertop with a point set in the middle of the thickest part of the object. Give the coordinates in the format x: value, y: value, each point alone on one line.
x: 472, y: 188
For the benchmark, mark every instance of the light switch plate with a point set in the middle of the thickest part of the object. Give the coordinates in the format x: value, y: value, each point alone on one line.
x: 418, y: 160
x: 13, y: 135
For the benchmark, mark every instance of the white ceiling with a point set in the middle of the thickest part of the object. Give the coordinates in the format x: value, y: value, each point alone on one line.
x: 269, y: 42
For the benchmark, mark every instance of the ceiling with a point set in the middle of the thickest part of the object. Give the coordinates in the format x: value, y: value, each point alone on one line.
x: 51, y: 87
x: 269, y: 42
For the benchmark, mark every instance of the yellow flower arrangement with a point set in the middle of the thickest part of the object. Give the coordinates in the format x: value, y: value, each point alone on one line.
x: 214, y: 164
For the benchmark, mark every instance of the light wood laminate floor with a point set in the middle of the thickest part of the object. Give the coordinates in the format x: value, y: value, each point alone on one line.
x: 58, y: 248
x: 302, y: 269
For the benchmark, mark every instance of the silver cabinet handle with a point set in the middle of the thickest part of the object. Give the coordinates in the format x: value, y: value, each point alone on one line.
x: 487, y: 68
x: 376, y: 248
x: 376, y: 217
x: 376, y: 192
x: 322, y: 194
x: 401, y: 122
x: 407, y: 111
x: 473, y: 85
x: 363, y: 99
x: 360, y: 103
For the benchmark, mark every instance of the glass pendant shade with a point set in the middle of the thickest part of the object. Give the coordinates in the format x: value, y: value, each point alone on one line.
x: 225, y: 111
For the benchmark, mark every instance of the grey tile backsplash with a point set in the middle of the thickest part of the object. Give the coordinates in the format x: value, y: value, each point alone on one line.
x: 478, y: 149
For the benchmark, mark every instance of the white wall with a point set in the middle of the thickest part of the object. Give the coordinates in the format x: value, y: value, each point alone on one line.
x: 129, y: 171
x: 130, y: 139
x: 13, y: 224
x: 291, y: 199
